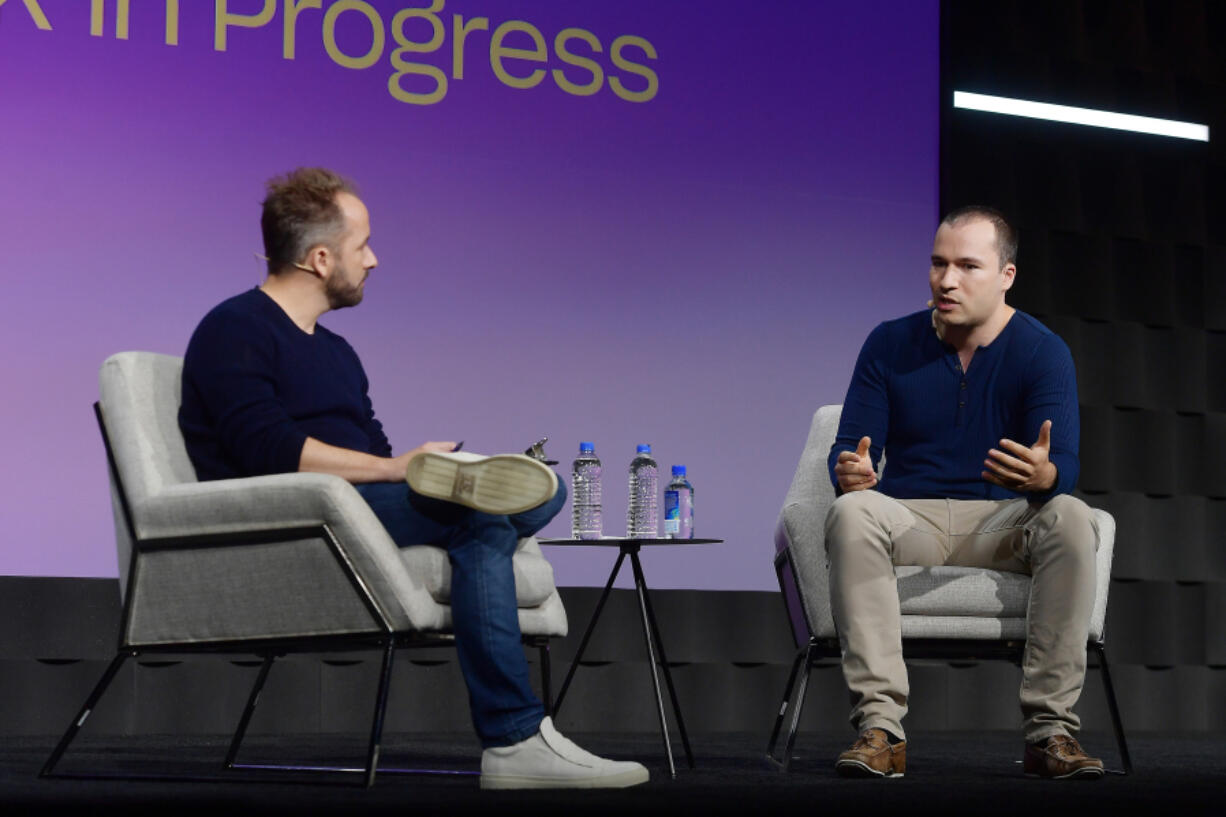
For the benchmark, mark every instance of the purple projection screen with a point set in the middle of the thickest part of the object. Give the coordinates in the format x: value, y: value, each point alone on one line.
x: 624, y: 222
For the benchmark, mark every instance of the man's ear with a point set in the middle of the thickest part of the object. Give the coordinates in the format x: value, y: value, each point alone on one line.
x: 318, y: 261
x: 1009, y: 272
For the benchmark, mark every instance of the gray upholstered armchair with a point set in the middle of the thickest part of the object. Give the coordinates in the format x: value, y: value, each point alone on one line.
x: 953, y: 612
x: 266, y: 565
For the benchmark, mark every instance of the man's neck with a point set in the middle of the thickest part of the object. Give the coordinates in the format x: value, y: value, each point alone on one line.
x: 967, y: 339
x: 298, y: 296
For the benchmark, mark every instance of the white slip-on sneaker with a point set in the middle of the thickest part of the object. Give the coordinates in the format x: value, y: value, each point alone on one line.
x: 503, y: 484
x: 548, y: 760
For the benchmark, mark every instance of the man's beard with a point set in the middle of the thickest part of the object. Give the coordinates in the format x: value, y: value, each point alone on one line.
x: 340, y: 292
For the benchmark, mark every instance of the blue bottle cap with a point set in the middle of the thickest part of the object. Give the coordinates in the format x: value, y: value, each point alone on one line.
x: 586, y: 448
x: 643, y: 449
x: 678, y: 470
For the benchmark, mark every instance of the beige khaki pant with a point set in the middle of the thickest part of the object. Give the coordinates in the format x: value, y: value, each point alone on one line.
x: 868, y: 533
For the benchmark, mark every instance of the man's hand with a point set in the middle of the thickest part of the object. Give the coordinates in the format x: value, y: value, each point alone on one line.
x: 398, y: 465
x: 1022, y: 469
x: 854, y: 470
x: 358, y: 466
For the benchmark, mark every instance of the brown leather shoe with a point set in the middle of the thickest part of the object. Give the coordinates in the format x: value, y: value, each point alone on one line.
x: 873, y: 756
x: 1060, y: 758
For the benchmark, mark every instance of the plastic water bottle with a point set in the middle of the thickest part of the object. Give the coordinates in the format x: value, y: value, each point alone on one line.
x: 641, y: 519
x: 679, y: 506
x: 585, y: 494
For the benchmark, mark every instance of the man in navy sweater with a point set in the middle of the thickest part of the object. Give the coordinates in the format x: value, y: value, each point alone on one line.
x: 974, y: 405
x: 267, y: 389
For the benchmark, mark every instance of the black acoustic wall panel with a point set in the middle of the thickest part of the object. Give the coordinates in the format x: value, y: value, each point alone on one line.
x: 1123, y: 253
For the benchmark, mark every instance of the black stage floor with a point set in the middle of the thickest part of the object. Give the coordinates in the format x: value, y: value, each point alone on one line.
x: 948, y: 773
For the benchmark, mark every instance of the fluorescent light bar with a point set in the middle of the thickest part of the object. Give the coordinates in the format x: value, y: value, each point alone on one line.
x: 1081, y: 116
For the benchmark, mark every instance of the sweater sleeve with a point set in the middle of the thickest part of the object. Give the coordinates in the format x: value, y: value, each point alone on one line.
x: 866, y: 409
x: 1051, y: 394
x: 230, y: 363
x: 379, y: 445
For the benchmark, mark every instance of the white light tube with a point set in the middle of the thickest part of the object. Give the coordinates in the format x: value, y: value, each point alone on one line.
x: 1081, y: 116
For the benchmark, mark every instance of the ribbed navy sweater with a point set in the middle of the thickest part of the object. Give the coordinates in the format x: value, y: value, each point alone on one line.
x: 255, y: 386
x: 936, y: 424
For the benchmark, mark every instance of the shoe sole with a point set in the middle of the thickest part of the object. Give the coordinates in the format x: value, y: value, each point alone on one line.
x: 502, y: 484
x: 856, y: 768
x: 1088, y: 773
x: 621, y: 780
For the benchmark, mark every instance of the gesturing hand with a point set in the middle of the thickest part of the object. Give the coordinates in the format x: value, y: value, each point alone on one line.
x: 1022, y: 469
x: 854, y: 470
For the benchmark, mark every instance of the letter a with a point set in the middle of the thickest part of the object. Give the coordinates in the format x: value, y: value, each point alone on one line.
x: 36, y: 13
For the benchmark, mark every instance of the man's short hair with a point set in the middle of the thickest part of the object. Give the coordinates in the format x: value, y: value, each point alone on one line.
x: 300, y: 212
x: 1006, y: 235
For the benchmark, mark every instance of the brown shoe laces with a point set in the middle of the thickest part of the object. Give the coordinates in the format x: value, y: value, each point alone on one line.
x: 1064, y: 747
x: 867, y: 740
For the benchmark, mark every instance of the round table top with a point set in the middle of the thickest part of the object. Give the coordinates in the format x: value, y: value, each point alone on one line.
x: 618, y: 541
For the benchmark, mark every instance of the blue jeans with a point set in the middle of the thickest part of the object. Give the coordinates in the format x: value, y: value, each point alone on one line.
x: 504, y: 708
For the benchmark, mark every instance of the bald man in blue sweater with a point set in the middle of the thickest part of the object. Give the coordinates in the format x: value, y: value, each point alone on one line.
x: 974, y: 405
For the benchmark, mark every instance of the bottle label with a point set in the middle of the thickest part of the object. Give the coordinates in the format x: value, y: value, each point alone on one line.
x: 672, y: 513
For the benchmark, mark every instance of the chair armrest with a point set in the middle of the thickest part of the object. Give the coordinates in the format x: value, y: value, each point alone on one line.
x: 802, y: 530
x: 812, y: 478
x: 245, y: 504
x: 1105, y: 523
x: 529, y: 545
x: 296, y: 500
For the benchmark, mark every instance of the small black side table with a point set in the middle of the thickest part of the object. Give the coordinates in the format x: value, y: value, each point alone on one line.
x: 651, y: 630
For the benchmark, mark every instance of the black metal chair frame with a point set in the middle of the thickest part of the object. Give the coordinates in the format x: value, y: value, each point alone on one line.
x: 384, y: 638
x: 811, y: 651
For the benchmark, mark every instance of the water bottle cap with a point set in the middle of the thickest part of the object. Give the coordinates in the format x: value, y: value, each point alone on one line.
x: 586, y: 448
x: 643, y: 449
x: 678, y: 470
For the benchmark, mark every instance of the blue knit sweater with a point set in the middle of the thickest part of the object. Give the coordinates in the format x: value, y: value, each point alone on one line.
x: 936, y: 424
x: 255, y: 386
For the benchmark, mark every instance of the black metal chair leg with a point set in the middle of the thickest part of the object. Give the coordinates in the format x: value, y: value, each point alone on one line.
x: 668, y: 676
x: 376, y: 728
x: 587, y: 634
x: 784, y: 705
x: 798, y: 707
x: 90, y: 702
x: 546, y: 677
x: 245, y: 720
x: 1125, y: 758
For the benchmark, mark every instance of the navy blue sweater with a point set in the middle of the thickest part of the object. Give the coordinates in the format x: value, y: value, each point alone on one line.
x: 255, y: 386
x: 909, y: 394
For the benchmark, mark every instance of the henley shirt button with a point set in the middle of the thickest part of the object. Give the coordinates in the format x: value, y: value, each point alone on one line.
x: 962, y: 402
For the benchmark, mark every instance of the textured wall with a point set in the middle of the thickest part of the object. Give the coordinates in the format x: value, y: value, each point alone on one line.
x: 1123, y: 254
x: 730, y: 652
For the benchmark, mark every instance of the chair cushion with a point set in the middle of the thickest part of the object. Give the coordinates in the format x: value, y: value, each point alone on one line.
x: 533, y: 574
x: 962, y: 591
x: 964, y: 628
